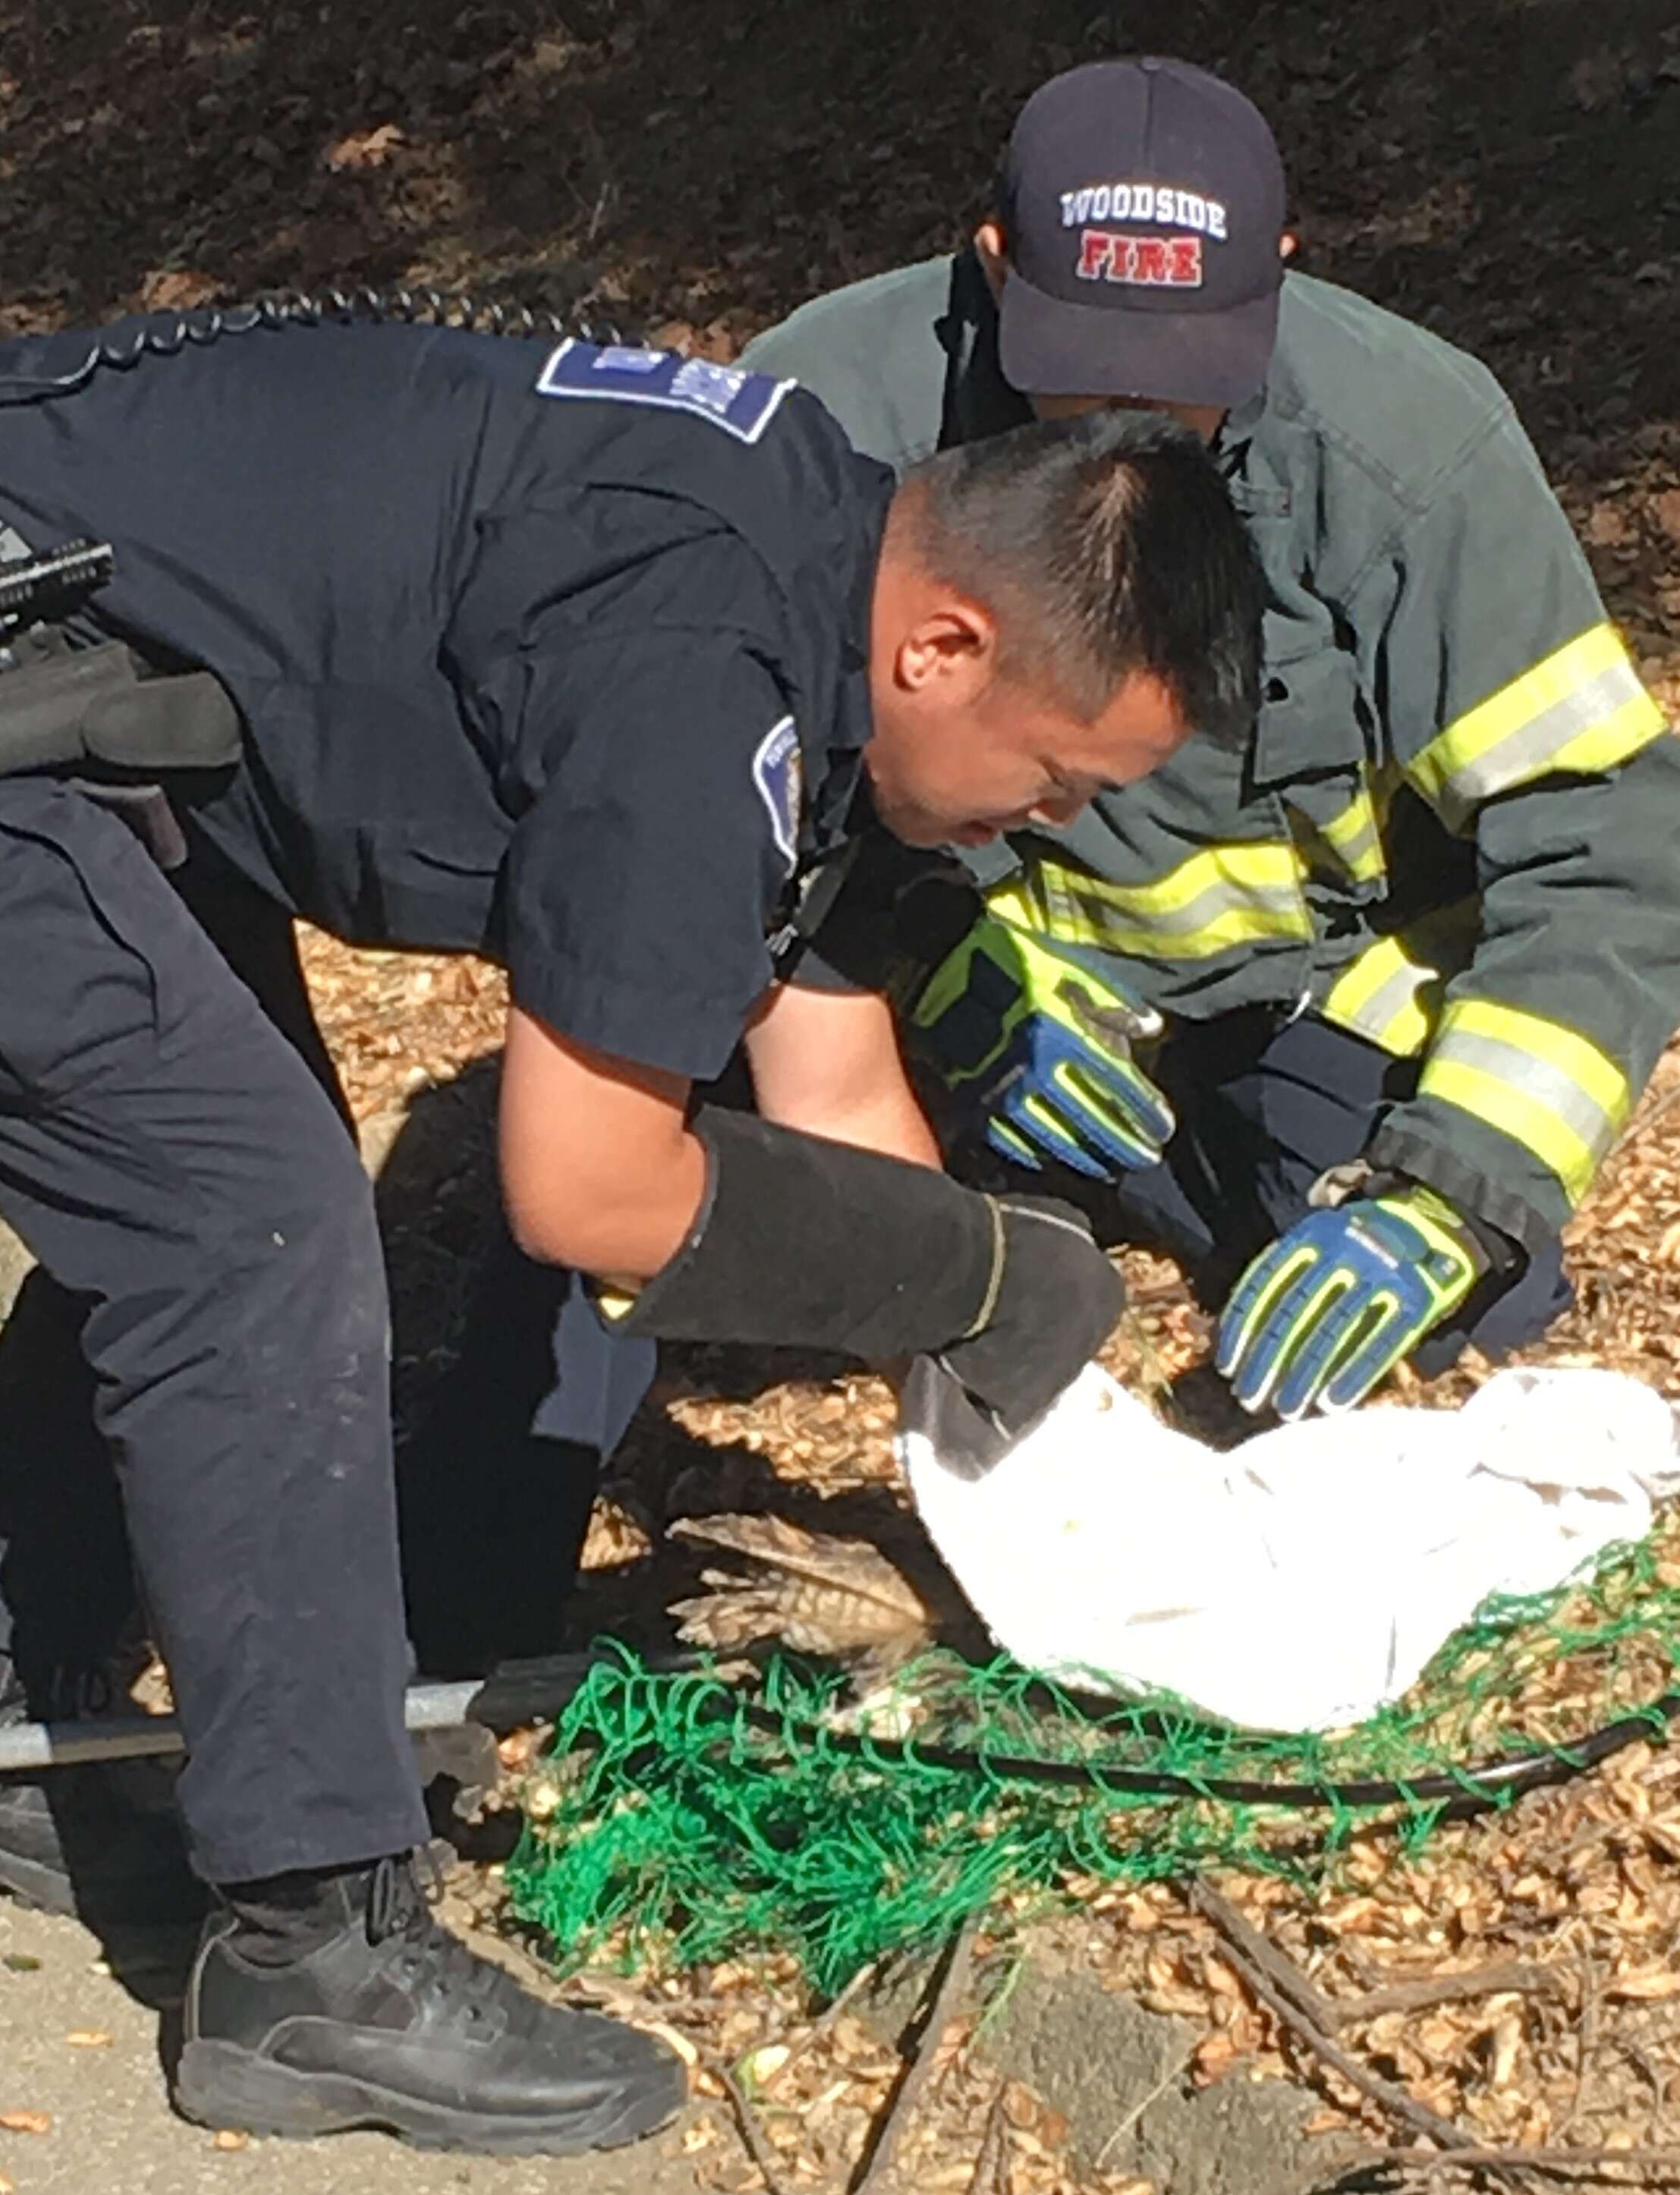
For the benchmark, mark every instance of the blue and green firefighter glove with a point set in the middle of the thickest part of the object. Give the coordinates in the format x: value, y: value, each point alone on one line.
x: 1035, y: 1040
x: 1335, y: 1303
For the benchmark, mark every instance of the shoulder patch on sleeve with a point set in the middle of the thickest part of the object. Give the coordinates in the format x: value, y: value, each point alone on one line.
x: 740, y: 402
x: 779, y: 775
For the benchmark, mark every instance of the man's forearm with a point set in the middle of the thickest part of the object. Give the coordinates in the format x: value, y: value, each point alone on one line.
x: 829, y: 1065
x: 888, y: 1120
x: 599, y: 1169
x: 622, y: 1233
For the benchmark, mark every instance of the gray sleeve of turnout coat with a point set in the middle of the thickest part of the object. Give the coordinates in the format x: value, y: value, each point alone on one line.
x: 1510, y: 705
x: 874, y: 354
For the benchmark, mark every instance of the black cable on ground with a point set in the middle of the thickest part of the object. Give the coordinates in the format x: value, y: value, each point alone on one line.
x: 1464, y: 1790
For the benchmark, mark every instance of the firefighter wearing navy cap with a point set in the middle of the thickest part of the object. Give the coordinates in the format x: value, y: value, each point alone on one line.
x: 595, y: 660
x: 1415, y: 946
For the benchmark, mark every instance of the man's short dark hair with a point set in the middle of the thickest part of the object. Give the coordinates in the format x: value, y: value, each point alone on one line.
x: 1102, y: 545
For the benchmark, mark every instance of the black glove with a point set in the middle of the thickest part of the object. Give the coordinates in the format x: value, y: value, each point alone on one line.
x: 822, y: 1245
x: 1056, y: 1306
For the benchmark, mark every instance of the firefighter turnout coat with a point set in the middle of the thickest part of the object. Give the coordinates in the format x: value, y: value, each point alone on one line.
x: 1456, y: 830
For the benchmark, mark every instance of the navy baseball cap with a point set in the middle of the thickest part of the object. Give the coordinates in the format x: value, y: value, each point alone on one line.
x: 1142, y: 202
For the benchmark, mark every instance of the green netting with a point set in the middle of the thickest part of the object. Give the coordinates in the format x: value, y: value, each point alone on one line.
x: 683, y: 1818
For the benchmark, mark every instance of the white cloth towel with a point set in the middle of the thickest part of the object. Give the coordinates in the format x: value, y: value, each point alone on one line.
x: 1304, y: 1580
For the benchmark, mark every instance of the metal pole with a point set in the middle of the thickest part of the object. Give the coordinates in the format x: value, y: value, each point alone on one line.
x: 515, y: 1693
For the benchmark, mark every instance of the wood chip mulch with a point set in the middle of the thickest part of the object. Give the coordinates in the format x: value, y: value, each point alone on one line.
x: 1519, y: 1977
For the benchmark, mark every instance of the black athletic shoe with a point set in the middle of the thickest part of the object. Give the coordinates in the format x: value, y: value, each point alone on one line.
x: 393, y: 2023
x: 102, y: 1843
x: 74, y: 1843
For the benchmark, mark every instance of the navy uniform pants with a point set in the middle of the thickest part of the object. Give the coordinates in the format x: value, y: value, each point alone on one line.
x: 1265, y: 1105
x: 177, y: 1171
x: 495, y: 1485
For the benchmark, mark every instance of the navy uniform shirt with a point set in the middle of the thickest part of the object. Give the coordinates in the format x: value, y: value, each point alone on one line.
x: 549, y: 652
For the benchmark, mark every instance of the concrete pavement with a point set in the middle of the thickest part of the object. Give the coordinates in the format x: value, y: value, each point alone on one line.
x: 112, y: 2128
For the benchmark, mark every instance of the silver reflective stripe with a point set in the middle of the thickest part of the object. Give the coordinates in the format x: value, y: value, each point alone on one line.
x: 1376, y: 1014
x: 1359, y: 848
x: 1548, y: 1086
x: 1525, y: 753
x: 1198, y: 914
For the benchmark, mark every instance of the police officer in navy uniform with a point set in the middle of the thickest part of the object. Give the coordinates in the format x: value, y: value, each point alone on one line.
x: 1363, y: 1006
x: 593, y: 660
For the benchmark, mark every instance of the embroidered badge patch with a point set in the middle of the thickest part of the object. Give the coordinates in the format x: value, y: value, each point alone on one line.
x: 779, y: 775
x: 743, y: 404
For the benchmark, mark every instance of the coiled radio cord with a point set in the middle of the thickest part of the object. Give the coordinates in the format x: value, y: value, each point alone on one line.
x: 419, y: 308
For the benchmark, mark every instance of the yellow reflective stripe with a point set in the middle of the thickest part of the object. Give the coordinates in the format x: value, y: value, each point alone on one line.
x: 1546, y: 1086
x: 1582, y: 710
x: 1223, y: 896
x: 1355, y: 837
x: 1014, y: 901
x: 1375, y: 996
x: 1488, y: 1097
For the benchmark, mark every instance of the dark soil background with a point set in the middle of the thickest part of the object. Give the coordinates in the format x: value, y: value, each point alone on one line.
x: 1506, y: 170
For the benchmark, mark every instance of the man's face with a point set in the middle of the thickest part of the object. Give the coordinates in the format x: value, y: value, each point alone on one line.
x: 958, y: 761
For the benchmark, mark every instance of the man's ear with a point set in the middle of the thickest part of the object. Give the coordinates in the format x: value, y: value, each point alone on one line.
x: 1288, y: 245
x: 949, y: 652
x: 991, y: 248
